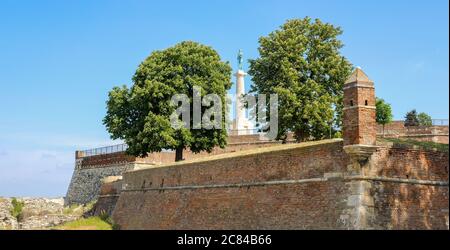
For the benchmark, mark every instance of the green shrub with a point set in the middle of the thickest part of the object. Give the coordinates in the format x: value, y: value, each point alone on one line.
x: 106, y: 218
x: 338, y: 134
x: 17, y: 208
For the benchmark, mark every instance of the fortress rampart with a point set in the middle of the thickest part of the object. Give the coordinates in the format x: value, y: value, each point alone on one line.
x: 297, y: 186
x: 397, y: 129
x: 89, y: 171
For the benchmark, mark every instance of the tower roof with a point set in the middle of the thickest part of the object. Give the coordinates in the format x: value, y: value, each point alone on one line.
x: 358, y: 76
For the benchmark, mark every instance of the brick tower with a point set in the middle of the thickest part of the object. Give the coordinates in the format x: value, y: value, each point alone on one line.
x: 359, y: 116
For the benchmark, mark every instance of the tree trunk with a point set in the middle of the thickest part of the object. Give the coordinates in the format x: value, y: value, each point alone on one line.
x: 179, y: 154
x: 383, y: 131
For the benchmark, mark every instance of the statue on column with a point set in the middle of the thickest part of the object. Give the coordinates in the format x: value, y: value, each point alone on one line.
x: 240, y: 59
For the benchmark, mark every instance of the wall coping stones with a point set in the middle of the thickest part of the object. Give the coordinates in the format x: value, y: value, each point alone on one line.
x: 244, y: 153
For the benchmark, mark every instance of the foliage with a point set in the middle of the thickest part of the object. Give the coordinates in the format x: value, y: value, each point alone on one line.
x: 411, y: 118
x: 17, y: 208
x: 383, y: 112
x: 141, y: 115
x: 106, y: 218
x: 424, y: 119
x: 338, y: 134
x: 301, y: 63
x: 89, y: 206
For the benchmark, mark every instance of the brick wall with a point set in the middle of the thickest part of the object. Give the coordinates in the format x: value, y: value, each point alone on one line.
x: 298, y: 186
x: 105, y: 160
x: 109, y: 194
x: 200, y: 202
x: 396, y: 129
x: 409, y: 164
x: 89, y: 171
x: 359, y: 115
x: 410, y: 205
x: 301, y: 206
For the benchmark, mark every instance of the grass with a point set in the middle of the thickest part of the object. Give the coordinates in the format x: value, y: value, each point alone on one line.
x: 79, y: 209
x: 74, y: 209
x: 420, y: 144
x: 91, y: 223
x: 71, y: 209
x: 8, y: 227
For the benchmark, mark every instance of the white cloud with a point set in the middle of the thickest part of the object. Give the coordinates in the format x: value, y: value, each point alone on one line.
x: 24, y: 172
x: 40, y: 164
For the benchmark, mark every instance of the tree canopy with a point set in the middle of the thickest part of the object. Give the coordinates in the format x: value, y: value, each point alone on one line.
x: 141, y: 115
x: 411, y: 119
x: 424, y: 119
x: 383, y: 112
x: 301, y: 62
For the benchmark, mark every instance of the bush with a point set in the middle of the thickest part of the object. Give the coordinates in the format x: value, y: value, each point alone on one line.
x: 424, y: 119
x: 106, y: 218
x: 338, y: 134
x: 17, y: 209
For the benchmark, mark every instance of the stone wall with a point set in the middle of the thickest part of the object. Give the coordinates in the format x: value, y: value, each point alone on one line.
x: 85, y: 184
x: 298, y: 186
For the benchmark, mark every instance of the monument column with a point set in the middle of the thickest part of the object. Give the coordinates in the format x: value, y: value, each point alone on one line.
x: 241, y: 125
x: 240, y: 92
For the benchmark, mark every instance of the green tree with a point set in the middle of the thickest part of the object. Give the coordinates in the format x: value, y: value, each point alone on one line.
x: 301, y: 63
x: 411, y: 119
x: 141, y: 115
x: 383, y: 112
x: 424, y: 119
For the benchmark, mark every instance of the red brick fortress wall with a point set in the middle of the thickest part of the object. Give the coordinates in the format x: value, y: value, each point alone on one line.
x: 397, y: 129
x: 298, y: 186
x: 277, y: 188
x: 414, y: 192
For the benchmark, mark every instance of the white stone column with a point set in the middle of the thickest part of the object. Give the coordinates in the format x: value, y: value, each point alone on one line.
x: 240, y: 109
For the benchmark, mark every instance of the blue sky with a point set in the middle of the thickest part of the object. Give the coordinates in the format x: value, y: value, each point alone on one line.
x: 59, y: 59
